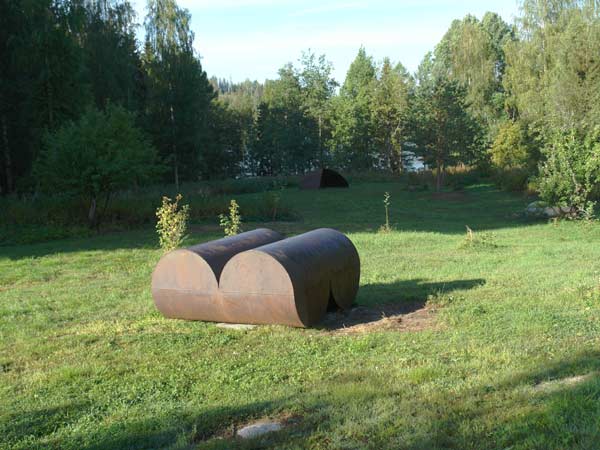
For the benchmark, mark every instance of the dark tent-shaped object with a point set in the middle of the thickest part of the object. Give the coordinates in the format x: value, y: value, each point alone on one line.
x: 323, y: 178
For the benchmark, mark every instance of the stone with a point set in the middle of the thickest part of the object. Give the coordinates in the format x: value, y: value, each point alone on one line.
x: 542, y: 209
x: 236, y: 326
x: 552, y: 211
x: 535, y: 209
x: 258, y: 429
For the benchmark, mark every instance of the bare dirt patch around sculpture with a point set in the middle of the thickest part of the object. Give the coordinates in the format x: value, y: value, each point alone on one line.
x: 401, y: 317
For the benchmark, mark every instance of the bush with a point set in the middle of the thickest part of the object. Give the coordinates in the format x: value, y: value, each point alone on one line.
x: 458, y: 178
x: 172, y: 223
x: 571, y: 171
x: 513, y: 180
x: 232, y: 223
x: 513, y: 148
x: 95, y: 157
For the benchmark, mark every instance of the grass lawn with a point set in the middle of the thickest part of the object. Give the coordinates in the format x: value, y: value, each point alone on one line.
x: 508, y: 359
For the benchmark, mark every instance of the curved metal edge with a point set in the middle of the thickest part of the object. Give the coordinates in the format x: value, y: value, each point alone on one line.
x: 217, y: 253
x: 319, y: 263
x: 184, y: 286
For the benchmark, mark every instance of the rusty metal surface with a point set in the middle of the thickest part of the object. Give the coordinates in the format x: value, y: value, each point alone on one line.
x: 289, y: 281
x: 217, y: 253
x: 185, y: 282
x: 323, y: 178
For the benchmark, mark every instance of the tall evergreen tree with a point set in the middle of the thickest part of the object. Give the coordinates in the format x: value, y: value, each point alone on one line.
x: 179, y: 93
x: 42, y: 81
x: 445, y: 133
x: 112, y: 62
x: 352, y: 143
x: 318, y: 87
x: 283, y: 139
x: 390, y: 114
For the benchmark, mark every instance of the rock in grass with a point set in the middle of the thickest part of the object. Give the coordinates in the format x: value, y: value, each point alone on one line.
x: 542, y: 209
x: 258, y: 429
x: 236, y: 326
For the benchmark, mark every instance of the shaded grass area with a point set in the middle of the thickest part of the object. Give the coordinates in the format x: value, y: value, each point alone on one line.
x: 38, y: 218
x: 86, y: 362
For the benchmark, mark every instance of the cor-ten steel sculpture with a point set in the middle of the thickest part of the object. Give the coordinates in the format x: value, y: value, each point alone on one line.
x: 258, y: 277
x: 323, y: 178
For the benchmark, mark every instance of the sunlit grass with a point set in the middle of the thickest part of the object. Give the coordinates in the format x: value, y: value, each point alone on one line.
x: 87, y: 362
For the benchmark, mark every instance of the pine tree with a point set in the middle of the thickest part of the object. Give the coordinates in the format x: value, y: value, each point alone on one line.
x: 390, y: 114
x: 179, y: 93
x: 445, y: 132
x: 351, y: 142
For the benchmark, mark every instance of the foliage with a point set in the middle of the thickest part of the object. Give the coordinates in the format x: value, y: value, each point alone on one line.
x: 61, y: 215
x: 179, y: 93
x: 552, y: 80
x: 390, y: 114
x: 445, y: 132
x: 571, y: 171
x: 232, y: 223
x: 513, y: 147
x: 351, y: 143
x: 471, y: 54
x: 479, y: 240
x: 96, y: 156
x: 172, y: 223
x: 293, y: 119
x: 273, y: 199
x: 513, y: 180
x: 491, y: 95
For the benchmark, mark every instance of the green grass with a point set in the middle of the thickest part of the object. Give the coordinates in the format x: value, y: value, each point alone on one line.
x: 86, y: 362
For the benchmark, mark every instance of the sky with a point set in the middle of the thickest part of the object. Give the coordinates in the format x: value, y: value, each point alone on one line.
x: 253, y: 39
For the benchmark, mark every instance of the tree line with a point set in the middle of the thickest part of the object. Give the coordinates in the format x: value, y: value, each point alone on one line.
x: 521, y: 100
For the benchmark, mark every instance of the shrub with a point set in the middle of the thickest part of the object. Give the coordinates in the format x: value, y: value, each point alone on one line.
x: 172, y: 223
x: 513, y: 148
x: 571, y: 171
x: 513, y: 180
x: 271, y: 202
x: 95, y: 157
x: 460, y: 177
x: 231, y: 224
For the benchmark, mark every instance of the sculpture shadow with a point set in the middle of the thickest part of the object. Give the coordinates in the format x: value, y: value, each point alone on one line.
x: 416, y: 290
x: 381, y: 300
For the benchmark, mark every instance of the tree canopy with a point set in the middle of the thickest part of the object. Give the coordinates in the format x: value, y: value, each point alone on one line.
x: 493, y: 95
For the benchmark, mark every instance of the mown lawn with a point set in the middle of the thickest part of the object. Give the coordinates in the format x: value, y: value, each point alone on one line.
x: 509, y: 361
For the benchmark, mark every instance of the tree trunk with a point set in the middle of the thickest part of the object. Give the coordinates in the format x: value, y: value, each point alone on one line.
x: 7, y: 159
x: 438, y: 175
x: 400, y: 166
x: 389, y: 151
x: 49, y: 99
x: 92, y: 213
x: 174, y: 148
x: 176, y: 172
x: 320, y: 141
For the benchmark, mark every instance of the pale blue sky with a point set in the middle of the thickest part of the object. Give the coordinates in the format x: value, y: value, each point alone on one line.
x: 241, y: 39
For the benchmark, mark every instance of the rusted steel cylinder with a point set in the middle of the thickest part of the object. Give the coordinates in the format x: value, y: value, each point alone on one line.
x: 185, y: 282
x: 299, y: 277
x: 259, y: 278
